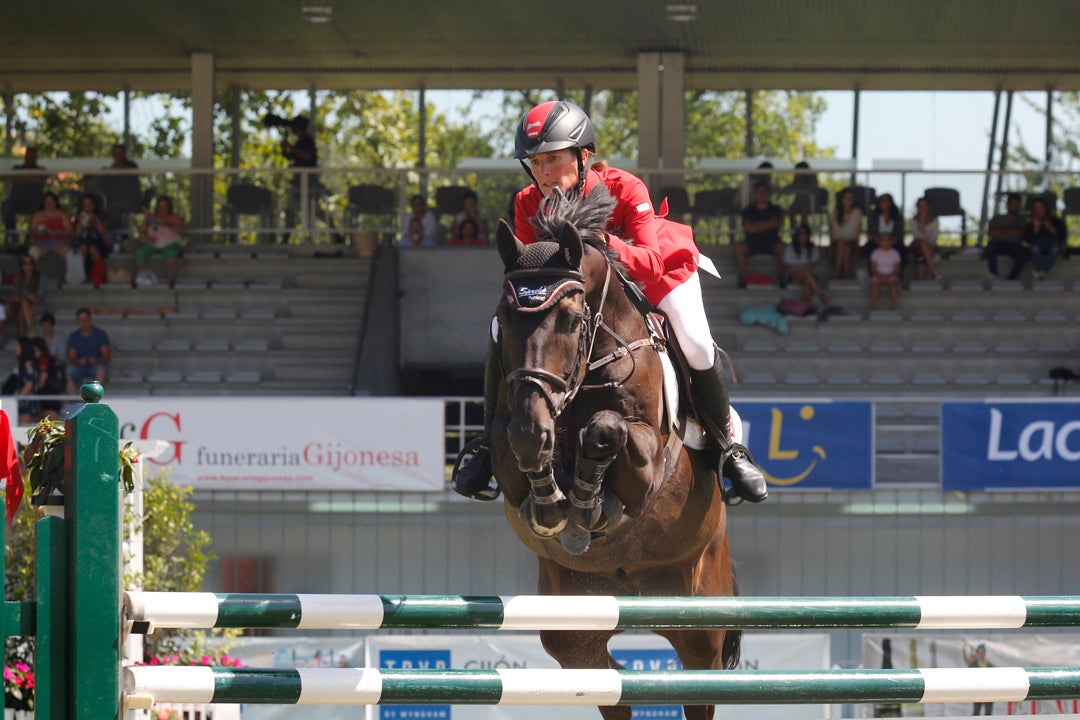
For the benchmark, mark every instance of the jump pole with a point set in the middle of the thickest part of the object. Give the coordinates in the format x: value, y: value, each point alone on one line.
x: 145, y: 611
x: 144, y: 686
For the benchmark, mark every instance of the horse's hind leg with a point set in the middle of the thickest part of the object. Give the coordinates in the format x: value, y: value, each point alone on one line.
x: 584, y: 649
x: 698, y: 650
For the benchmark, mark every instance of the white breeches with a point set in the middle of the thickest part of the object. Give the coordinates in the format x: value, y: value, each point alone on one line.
x: 686, y: 313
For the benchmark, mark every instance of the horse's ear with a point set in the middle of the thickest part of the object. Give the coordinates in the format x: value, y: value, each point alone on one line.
x: 570, y: 239
x: 510, y: 248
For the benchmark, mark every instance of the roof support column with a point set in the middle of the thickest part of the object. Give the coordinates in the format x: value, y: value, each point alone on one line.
x: 855, y: 136
x: 989, y: 166
x: 421, y: 144
x: 749, y: 149
x: 1049, y: 130
x: 661, y: 112
x: 202, y: 140
x: 9, y: 123
x: 1003, y: 163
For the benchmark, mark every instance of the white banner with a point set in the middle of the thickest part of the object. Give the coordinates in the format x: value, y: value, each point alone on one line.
x: 926, y: 650
x: 636, y: 651
x: 393, y: 444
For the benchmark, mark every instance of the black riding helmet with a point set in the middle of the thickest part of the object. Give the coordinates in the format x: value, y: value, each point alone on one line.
x: 554, y: 125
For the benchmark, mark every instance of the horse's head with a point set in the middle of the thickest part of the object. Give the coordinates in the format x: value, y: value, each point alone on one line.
x: 545, y: 317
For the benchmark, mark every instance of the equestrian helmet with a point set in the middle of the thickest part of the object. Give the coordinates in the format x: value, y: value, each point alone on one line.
x: 554, y: 125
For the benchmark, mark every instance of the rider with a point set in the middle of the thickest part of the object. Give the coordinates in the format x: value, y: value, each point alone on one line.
x: 555, y: 142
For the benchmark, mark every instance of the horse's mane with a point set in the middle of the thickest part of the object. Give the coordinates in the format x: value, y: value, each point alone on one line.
x: 589, y: 215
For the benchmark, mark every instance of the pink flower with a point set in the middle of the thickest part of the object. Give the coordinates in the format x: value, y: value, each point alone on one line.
x: 8, y: 673
x: 22, y: 667
x: 205, y: 660
x: 154, y: 661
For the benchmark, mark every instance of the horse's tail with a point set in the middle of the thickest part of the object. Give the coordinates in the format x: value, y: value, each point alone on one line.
x: 731, y: 652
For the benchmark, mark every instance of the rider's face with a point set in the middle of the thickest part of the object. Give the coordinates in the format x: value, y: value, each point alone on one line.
x: 557, y: 169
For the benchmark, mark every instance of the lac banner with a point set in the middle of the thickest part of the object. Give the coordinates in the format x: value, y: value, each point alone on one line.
x: 812, y: 445
x: 393, y: 444
x: 1010, y: 445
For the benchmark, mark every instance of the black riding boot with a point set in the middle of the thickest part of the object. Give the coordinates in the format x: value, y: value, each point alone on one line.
x: 473, y: 477
x: 711, y: 400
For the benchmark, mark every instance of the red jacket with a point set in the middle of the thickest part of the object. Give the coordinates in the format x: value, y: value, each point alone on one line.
x: 662, y: 254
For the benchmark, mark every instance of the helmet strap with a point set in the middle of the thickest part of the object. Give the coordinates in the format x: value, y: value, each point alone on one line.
x: 528, y: 171
x: 581, y: 171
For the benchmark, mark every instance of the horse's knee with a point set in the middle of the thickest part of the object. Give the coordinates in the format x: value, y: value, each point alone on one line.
x: 577, y: 649
x: 604, y: 436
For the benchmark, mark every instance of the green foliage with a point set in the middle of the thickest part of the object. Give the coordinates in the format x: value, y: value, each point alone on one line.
x: 44, y: 457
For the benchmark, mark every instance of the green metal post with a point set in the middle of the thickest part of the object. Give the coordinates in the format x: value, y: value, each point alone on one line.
x: 53, y: 654
x: 92, y: 507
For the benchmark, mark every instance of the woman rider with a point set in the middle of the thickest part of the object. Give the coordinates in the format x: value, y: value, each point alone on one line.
x: 554, y: 143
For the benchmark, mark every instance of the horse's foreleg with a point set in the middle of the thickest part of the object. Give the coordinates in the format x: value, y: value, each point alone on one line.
x: 601, y: 440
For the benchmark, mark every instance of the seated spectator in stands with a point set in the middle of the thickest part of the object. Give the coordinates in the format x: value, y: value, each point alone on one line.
x: 51, y: 230
x: 161, y: 233
x: 429, y: 226
x: 50, y: 378
x: 885, y: 219
x: 761, y: 226
x: 470, y: 211
x: 88, y: 353
x: 29, y: 295
x: 845, y: 225
x: 1045, y: 233
x: 29, y: 378
x: 1006, y: 236
x: 801, y: 258
x: 120, y: 159
x: 90, y: 233
x: 57, y: 345
x: 884, y: 270
x: 467, y: 234
x: 8, y: 207
x: 924, y: 234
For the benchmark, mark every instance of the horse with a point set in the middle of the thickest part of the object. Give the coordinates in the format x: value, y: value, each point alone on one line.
x: 595, y: 483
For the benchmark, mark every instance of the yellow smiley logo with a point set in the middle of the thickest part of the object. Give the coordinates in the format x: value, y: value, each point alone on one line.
x: 806, y: 412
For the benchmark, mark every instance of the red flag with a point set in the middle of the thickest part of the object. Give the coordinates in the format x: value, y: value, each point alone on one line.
x: 9, y: 467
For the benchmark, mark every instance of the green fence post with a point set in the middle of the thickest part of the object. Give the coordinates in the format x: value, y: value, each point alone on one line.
x: 92, y: 508
x: 52, y: 658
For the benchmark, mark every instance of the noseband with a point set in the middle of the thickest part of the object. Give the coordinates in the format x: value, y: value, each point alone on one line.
x: 559, y: 391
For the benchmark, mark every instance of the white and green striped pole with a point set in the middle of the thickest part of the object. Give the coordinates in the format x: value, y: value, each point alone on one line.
x: 144, y: 686
x: 148, y: 610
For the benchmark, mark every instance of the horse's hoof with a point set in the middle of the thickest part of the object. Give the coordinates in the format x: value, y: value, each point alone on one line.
x: 546, y: 521
x: 575, y: 539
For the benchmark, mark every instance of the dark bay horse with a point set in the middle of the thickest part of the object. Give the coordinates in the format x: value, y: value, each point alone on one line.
x: 608, y: 500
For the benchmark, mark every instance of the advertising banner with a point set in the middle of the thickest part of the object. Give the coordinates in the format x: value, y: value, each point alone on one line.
x: 393, y: 444
x: 970, y: 650
x: 636, y: 651
x: 1010, y: 445
x: 813, y: 445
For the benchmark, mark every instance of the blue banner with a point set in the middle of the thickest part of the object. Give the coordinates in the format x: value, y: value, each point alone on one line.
x: 650, y: 659
x: 813, y: 445
x: 1010, y: 446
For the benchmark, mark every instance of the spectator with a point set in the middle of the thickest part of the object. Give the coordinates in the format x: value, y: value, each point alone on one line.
x: 801, y: 258
x: 1046, y: 234
x: 470, y: 211
x: 467, y: 234
x: 429, y: 226
x: 804, y: 186
x: 50, y: 229
x: 29, y: 295
x: 90, y: 233
x: 301, y: 154
x: 88, y: 352
x: 884, y: 270
x: 845, y: 224
x: 1006, y: 235
x: 25, y: 187
x: 924, y: 233
x: 120, y: 159
x: 29, y: 378
x: 161, y: 233
x: 50, y: 378
x: 885, y: 219
x: 761, y: 226
x: 57, y: 345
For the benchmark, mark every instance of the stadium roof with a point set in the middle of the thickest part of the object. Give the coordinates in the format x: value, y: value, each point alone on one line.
x: 376, y: 44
